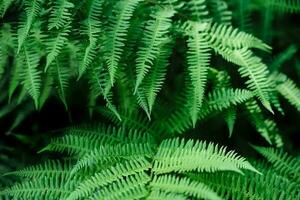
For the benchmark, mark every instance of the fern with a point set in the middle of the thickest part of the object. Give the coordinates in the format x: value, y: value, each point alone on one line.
x: 116, y: 35
x: 55, y: 45
x: 31, y: 12
x: 198, y: 60
x: 30, y: 75
x: 60, y: 14
x: 154, y: 36
x: 288, y: 89
x: 123, y: 170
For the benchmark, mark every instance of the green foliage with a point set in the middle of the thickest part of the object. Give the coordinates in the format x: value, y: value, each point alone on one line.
x: 154, y: 70
x: 279, y: 179
x: 106, y: 41
x: 113, y: 163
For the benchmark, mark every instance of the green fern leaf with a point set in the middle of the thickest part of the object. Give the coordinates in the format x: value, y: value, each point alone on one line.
x: 117, y: 33
x: 154, y: 36
x: 198, y: 61
x: 186, y: 186
x: 30, y: 74
x: 108, y: 176
x: 60, y: 14
x: 32, y: 10
x: 176, y: 155
x: 62, y: 81
x: 289, y: 90
x: 55, y: 45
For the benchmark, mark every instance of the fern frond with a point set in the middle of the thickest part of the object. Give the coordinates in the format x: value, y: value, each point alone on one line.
x: 198, y: 62
x: 224, y: 98
x: 250, y: 186
x: 62, y: 76
x: 289, y: 90
x: 155, y: 35
x: 116, y: 35
x: 229, y: 37
x: 266, y: 127
x: 108, y: 176
x: 60, y: 14
x: 175, y: 155
x: 32, y: 10
x: 152, y: 83
x: 56, y: 187
x: 198, y: 10
x: 30, y: 75
x: 257, y: 72
x: 131, y: 188
x: 173, y: 184
x: 220, y: 11
x: 80, y: 140
x: 56, y: 44
x: 91, y: 28
x: 101, y: 85
x: 50, y: 168
x: 107, y: 153
x: 286, y: 165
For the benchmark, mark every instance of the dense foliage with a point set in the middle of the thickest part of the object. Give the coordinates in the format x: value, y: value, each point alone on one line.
x: 150, y: 80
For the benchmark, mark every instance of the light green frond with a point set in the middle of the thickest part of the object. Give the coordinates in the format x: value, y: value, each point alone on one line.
x: 56, y: 44
x: 91, y: 28
x: 226, y: 97
x: 46, y: 91
x: 48, y: 169
x: 265, y: 126
x: 198, y: 57
x: 131, y: 188
x: 32, y: 10
x: 226, y: 36
x: 116, y: 35
x: 81, y: 140
x: 255, y: 70
x: 186, y: 186
x: 110, y: 134
x: 88, y: 57
x: 251, y: 186
x: 60, y: 14
x: 175, y: 155
x: 155, y: 35
x: 113, y: 153
x: 286, y: 165
x: 153, y: 83
x: 101, y: 85
x: 106, y: 177
x: 289, y: 90
x: 55, y: 187
x: 31, y: 76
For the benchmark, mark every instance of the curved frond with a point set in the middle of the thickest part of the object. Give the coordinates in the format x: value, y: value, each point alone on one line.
x: 155, y: 35
x: 116, y: 34
x: 175, y: 155
x: 60, y: 14
x: 186, y: 186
